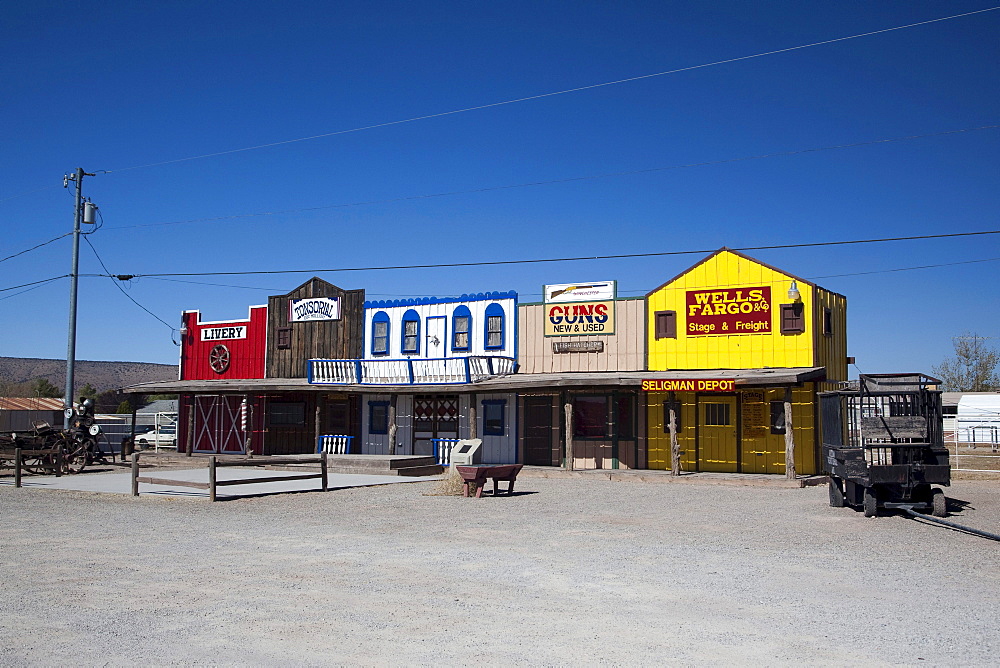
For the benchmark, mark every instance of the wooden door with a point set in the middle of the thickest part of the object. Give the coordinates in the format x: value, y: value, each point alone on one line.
x: 717, y: 442
x: 538, y: 431
x: 437, y: 337
x: 434, y: 416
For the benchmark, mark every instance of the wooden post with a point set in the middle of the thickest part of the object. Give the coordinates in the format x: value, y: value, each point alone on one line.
x: 789, y: 437
x: 17, y: 467
x: 569, y: 435
x: 211, y: 478
x: 135, y: 474
x: 392, y: 425
x: 317, y: 430
x: 675, y: 448
x: 249, y: 441
x: 192, y: 407
x: 60, y: 460
x: 322, y: 468
x: 473, y: 418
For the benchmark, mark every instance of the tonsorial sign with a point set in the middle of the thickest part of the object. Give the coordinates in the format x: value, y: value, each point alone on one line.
x: 690, y: 385
x: 314, y: 308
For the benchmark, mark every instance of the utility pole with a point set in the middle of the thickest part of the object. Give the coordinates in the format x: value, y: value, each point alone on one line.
x: 74, y: 278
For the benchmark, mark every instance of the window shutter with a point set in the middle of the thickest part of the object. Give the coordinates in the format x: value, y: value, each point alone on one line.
x: 666, y: 324
x: 792, y: 320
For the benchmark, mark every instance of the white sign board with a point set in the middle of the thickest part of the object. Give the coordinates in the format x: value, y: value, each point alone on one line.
x: 224, y: 333
x: 579, y: 292
x: 314, y: 308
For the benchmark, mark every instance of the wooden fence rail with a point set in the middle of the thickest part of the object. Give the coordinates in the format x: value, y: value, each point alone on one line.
x: 214, y: 464
x: 53, y: 460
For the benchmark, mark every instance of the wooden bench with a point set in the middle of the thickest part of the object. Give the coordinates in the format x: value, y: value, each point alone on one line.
x: 479, y: 473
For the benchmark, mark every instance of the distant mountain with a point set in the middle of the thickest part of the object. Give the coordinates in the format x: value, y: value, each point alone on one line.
x: 18, y: 371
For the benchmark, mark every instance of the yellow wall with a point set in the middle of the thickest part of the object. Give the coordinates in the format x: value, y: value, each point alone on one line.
x: 753, y: 434
x: 729, y: 270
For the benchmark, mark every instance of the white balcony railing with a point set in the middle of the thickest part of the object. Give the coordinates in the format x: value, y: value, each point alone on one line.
x: 447, y: 370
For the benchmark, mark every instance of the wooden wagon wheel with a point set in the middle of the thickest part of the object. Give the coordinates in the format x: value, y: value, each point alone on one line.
x: 76, y: 455
x: 218, y: 358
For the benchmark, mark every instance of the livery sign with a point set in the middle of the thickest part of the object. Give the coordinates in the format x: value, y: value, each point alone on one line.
x: 224, y: 333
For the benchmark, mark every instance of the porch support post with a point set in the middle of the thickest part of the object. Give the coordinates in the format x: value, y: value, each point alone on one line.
x: 568, y: 408
x: 789, y: 437
x: 192, y: 408
x: 248, y: 417
x: 392, y: 425
x: 473, y: 417
x: 675, y: 448
x: 318, y: 417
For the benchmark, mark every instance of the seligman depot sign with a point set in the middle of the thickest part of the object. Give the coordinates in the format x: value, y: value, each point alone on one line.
x: 690, y: 385
x: 736, y: 311
x: 314, y: 308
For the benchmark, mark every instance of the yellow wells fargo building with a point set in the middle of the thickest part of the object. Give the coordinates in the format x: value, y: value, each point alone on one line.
x: 772, y: 337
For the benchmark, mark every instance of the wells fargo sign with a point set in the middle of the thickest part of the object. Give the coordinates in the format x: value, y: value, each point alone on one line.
x: 690, y: 385
x: 736, y: 311
x: 580, y: 319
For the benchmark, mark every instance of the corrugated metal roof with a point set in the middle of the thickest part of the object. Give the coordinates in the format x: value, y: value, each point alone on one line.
x: 30, y: 404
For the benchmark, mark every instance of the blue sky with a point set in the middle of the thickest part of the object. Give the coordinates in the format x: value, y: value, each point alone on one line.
x: 121, y: 87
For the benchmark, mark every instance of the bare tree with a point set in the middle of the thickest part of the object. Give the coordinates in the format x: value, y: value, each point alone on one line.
x: 972, y: 369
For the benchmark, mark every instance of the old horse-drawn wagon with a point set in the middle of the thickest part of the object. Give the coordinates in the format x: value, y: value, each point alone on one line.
x: 883, y: 444
x: 47, y: 449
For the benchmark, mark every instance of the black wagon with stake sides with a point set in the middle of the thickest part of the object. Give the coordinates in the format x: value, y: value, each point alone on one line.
x: 883, y: 446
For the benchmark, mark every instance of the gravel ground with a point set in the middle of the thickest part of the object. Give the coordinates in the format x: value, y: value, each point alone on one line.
x: 568, y: 571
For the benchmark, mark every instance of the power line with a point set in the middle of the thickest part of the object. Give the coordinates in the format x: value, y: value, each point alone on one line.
x: 923, y: 266
x: 44, y: 280
x: 118, y: 285
x: 29, y: 192
x: 558, y: 181
x: 28, y: 250
x: 554, y: 93
x: 127, y: 277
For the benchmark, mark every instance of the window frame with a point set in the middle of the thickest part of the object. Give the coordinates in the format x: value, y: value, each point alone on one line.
x: 290, y: 418
x: 792, y: 318
x: 494, y: 310
x: 461, y: 312
x: 378, y: 319
x: 665, y: 325
x: 411, y: 316
x: 494, y: 404
x: 382, y: 430
x: 283, y: 338
x: 776, y: 408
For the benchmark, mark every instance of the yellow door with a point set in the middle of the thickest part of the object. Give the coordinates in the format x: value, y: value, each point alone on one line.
x: 717, y: 434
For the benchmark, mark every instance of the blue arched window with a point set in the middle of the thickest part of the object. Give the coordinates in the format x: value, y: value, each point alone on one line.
x: 461, y: 328
x: 380, y: 333
x: 495, y: 323
x: 411, y: 332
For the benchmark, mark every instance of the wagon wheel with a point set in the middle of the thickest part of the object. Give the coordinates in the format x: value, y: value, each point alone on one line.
x: 870, y: 502
x: 836, y: 493
x: 77, y: 456
x: 939, y: 504
x: 42, y: 464
x: 218, y: 358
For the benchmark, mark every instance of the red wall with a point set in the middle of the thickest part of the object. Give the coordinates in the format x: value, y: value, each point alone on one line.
x: 246, y: 355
